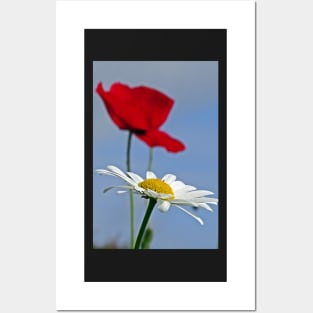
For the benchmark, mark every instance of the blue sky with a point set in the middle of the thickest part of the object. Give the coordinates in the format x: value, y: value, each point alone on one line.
x: 193, y: 120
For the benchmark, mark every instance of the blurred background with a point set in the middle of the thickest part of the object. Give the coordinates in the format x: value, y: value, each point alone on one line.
x: 193, y: 85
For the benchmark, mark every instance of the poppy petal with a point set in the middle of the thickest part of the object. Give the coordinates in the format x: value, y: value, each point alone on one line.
x: 137, y: 109
x: 152, y: 105
x: 109, y: 104
x: 158, y: 138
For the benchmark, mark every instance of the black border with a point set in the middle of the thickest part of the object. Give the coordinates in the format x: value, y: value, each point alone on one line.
x: 154, y: 265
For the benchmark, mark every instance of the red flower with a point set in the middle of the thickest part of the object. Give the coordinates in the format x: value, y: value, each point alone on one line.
x: 141, y: 110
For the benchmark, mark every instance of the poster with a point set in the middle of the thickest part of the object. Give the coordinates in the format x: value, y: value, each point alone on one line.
x: 201, y: 71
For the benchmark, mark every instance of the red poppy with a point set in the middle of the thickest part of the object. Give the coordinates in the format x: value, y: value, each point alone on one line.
x: 141, y: 110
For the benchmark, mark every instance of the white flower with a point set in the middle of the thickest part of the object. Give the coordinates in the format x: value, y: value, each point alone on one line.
x: 166, y: 191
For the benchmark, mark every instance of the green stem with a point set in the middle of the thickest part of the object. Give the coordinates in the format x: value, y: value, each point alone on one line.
x: 150, y: 159
x: 143, y: 226
x: 131, y: 196
x: 129, y: 140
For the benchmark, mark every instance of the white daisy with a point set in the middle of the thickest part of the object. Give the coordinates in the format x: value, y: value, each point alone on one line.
x: 166, y: 191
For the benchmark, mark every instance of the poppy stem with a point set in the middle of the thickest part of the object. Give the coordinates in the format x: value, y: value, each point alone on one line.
x: 131, y: 196
x: 144, y: 223
x: 150, y: 159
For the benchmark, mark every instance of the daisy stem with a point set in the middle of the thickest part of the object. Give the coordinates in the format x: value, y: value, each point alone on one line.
x: 150, y: 159
x: 131, y: 196
x: 144, y: 223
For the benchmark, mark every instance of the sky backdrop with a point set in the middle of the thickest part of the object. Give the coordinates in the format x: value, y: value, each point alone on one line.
x: 193, y: 120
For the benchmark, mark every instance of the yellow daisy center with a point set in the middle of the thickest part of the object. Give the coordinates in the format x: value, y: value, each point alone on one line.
x: 157, y: 185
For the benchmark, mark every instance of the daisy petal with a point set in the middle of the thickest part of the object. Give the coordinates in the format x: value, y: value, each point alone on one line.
x: 164, y: 206
x: 165, y: 196
x: 121, y: 191
x: 116, y: 170
x: 136, y: 178
x: 205, y: 206
x: 108, y: 189
x: 111, y: 187
x: 139, y: 189
x: 169, y: 178
x: 192, y: 215
x: 106, y: 172
x: 184, y: 189
x: 185, y: 202
x: 151, y: 193
x: 203, y: 199
x: 150, y: 174
x: 176, y: 185
x: 103, y: 172
x: 198, y: 193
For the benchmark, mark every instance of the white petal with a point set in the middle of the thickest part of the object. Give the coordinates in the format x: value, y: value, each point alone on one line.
x: 185, y: 202
x: 150, y: 174
x: 114, y: 171
x: 121, y: 191
x: 182, y: 199
x: 181, y: 187
x: 157, y: 195
x: 176, y: 185
x: 165, y: 196
x: 104, y: 172
x: 189, y: 188
x: 194, y: 216
x: 204, y: 200
x: 184, y: 190
x: 198, y: 193
x: 151, y: 193
x: 205, y: 206
x: 169, y: 178
x: 136, y: 178
x: 111, y: 187
x: 139, y: 189
x: 164, y: 205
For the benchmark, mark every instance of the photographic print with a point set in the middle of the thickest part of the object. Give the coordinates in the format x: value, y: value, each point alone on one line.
x: 138, y: 108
